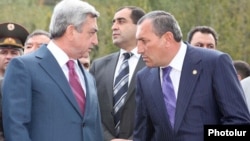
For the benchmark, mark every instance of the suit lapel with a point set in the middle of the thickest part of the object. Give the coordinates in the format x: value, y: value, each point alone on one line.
x: 156, y: 95
x: 110, y: 71
x: 50, y: 65
x: 88, y: 97
x: 190, y: 73
x: 131, y: 88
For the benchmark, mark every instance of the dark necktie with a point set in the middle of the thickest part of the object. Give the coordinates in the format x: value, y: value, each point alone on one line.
x: 120, y: 90
x: 169, y: 94
x: 76, y: 86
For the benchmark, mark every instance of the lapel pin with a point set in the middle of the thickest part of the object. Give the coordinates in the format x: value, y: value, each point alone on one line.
x: 194, y: 72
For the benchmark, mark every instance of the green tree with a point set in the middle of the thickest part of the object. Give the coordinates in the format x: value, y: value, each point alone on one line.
x: 228, y: 17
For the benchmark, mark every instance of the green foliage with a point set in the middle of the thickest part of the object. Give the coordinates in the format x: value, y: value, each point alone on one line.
x: 228, y: 17
x: 27, y: 13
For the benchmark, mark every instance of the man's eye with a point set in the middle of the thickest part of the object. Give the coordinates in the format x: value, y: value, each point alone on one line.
x: 145, y: 41
x: 121, y: 21
x: 3, y: 52
x: 210, y: 46
x: 14, y: 52
x: 92, y: 33
x: 27, y: 47
x: 199, y: 45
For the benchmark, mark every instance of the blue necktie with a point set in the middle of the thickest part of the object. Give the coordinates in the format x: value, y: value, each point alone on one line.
x: 120, y: 90
x: 169, y: 94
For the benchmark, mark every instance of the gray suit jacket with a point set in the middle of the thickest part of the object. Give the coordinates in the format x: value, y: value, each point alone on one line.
x: 103, y: 70
x: 39, y: 105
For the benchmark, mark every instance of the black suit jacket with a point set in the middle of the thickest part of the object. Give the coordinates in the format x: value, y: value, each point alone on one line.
x: 103, y: 69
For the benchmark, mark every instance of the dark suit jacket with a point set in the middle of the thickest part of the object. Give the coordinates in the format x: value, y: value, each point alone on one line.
x: 213, y: 95
x: 39, y: 105
x: 103, y: 70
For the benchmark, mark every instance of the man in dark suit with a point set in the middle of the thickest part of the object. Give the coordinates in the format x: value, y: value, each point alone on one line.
x: 203, y: 82
x: 105, y: 71
x: 40, y: 102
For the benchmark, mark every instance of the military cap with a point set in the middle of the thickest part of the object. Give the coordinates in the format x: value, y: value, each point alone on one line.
x: 12, y: 35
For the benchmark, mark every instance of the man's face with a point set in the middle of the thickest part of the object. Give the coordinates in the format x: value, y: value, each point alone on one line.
x: 204, y: 40
x: 35, y: 42
x: 123, y: 29
x: 85, y: 60
x: 6, y: 54
x: 87, y: 39
x: 150, y: 46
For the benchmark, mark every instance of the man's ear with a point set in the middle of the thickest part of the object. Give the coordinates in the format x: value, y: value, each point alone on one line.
x: 168, y: 37
x: 70, y: 31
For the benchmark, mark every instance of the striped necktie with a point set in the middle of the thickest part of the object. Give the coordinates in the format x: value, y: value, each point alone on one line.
x: 120, y: 90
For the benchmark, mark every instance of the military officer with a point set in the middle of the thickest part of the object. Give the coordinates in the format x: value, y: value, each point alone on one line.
x: 12, y: 38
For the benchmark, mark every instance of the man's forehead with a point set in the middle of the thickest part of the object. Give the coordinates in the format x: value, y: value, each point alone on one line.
x: 9, y: 48
x: 203, y: 40
x: 123, y: 14
x: 144, y: 27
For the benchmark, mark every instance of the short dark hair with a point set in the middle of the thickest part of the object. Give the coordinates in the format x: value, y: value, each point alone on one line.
x: 136, y: 12
x: 242, y: 68
x: 202, y: 29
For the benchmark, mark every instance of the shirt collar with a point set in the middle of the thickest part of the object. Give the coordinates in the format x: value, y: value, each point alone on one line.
x: 178, y: 60
x: 61, y: 57
x: 134, y: 51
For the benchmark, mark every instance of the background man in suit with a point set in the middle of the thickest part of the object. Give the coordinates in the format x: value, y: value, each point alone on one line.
x: 12, y: 38
x: 40, y: 103
x: 204, y: 82
x: 105, y: 71
x: 203, y: 36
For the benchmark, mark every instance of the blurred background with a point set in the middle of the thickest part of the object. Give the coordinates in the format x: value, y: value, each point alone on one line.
x: 230, y: 18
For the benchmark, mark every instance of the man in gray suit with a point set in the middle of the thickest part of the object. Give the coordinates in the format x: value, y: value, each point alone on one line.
x: 40, y: 102
x: 105, y: 70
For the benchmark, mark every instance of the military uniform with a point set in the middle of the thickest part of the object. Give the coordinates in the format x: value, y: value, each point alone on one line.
x: 12, y: 36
